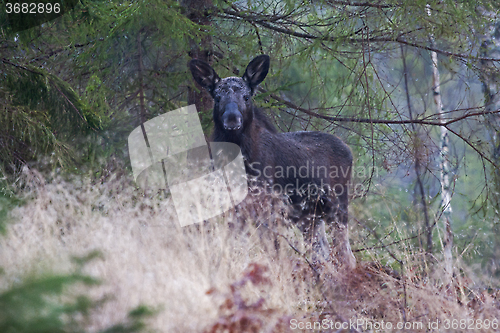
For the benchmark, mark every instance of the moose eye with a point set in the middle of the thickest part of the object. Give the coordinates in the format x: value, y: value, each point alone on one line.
x: 247, y: 97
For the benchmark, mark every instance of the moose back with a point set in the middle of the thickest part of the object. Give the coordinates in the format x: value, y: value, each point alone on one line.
x: 312, y: 168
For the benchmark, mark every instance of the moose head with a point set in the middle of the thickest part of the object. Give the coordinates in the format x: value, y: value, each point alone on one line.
x: 233, y: 108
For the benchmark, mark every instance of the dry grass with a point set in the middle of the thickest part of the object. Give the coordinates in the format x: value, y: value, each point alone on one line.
x: 212, y: 277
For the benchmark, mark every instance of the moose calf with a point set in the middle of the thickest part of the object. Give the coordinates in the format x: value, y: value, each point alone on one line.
x: 312, y: 168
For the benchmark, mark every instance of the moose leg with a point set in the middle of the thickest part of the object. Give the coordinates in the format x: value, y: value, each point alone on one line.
x: 320, y: 243
x: 308, y: 217
x: 341, y: 251
x: 313, y: 229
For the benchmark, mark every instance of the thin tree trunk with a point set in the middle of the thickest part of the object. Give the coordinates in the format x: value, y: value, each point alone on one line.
x: 444, y: 173
x: 142, y: 104
x: 444, y: 166
x: 416, y: 145
x: 197, y: 11
x: 490, y: 78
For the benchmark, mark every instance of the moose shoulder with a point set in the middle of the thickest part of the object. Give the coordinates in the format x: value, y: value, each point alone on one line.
x: 312, y: 168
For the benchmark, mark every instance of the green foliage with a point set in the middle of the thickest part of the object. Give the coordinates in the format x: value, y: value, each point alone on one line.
x: 134, y: 322
x: 44, y: 304
x: 30, y: 307
x: 8, y: 201
x: 41, y: 116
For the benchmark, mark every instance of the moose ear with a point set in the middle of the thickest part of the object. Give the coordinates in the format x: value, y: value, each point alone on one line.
x: 256, y: 71
x: 203, y: 74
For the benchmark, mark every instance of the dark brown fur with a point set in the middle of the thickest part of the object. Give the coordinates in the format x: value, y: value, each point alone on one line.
x: 276, y: 159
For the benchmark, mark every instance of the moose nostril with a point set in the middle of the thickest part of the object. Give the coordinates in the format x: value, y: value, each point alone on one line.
x: 232, y: 125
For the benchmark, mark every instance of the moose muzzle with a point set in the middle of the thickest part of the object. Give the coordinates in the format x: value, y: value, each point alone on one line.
x: 232, y: 119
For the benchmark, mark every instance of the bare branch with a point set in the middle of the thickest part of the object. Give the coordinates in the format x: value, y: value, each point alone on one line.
x: 376, y: 121
x: 360, y: 4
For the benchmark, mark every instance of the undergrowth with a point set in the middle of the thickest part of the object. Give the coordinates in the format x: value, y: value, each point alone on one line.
x: 219, y: 276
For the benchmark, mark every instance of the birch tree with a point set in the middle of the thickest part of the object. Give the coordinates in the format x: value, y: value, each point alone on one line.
x: 444, y: 168
x: 447, y: 238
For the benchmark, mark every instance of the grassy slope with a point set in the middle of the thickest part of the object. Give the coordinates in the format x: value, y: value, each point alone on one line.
x: 210, y: 277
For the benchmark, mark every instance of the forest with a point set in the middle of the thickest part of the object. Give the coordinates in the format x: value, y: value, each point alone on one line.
x: 411, y: 86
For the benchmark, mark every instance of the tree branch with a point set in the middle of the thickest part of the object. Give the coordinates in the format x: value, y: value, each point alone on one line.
x: 375, y: 121
x: 360, y: 4
x: 267, y: 22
